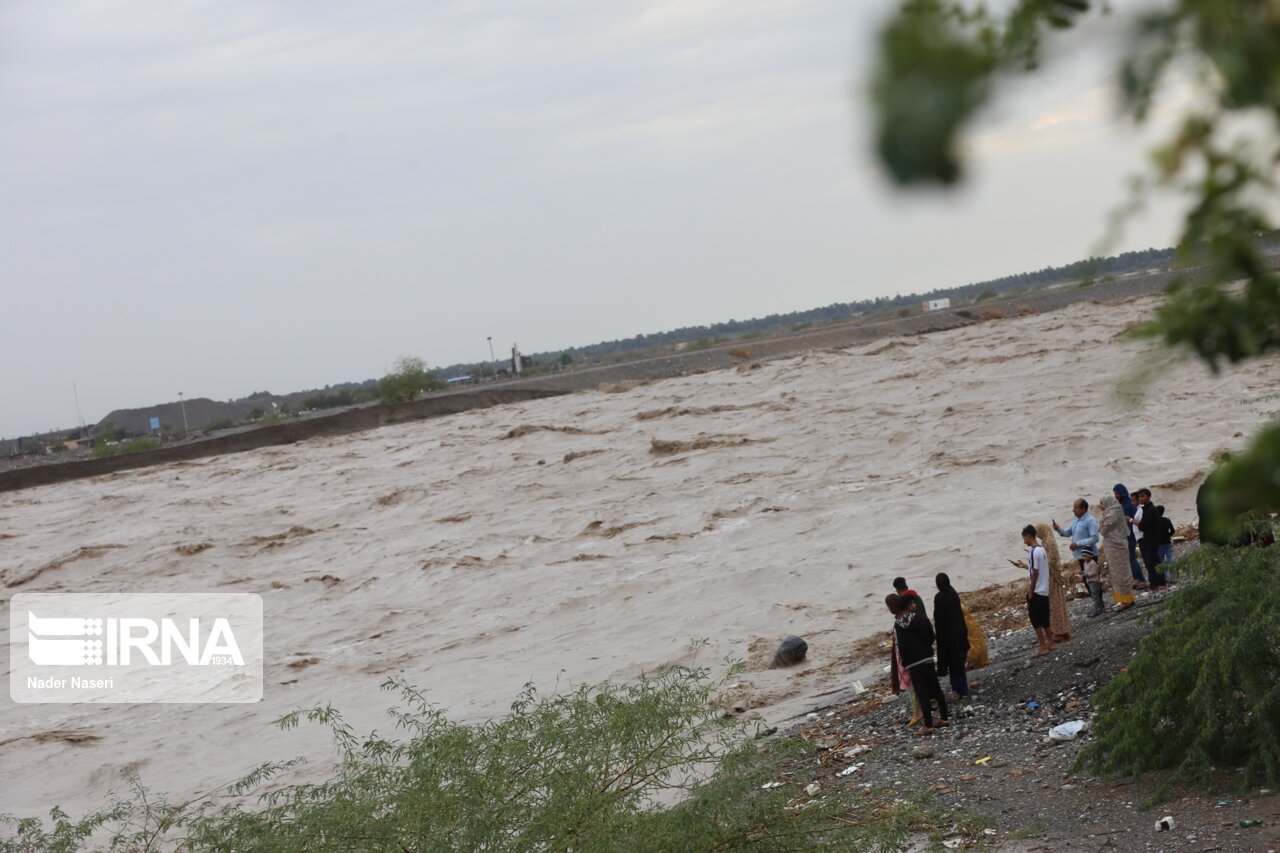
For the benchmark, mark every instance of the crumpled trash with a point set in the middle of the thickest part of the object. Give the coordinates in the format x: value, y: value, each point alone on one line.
x: 1164, y: 823
x: 1067, y: 731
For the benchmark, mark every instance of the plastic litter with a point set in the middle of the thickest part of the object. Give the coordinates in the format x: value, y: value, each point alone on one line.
x: 983, y: 760
x: 1164, y: 823
x: 1033, y: 705
x: 1067, y: 731
x: 1250, y: 822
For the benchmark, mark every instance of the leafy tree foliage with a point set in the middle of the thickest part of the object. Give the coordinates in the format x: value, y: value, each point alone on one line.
x: 942, y: 61
x: 588, y: 770
x: 408, y: 377
x: 1196, y: 696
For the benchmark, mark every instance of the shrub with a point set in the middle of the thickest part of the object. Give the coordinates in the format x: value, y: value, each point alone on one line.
x: 991, y: 314
x: 1195, y: 696
x: 408, y: 377
x: 137, y: 445
x: 256, y: 413
x: 581, y: 771
x: 740, y: 352
x: 220, y: 423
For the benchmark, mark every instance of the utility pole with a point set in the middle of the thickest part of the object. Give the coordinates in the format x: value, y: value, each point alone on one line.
x: 492, y: 358
x: 183, y: 403
x: 76, y: 393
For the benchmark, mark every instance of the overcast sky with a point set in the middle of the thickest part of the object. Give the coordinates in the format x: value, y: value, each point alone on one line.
x: 224, y: 197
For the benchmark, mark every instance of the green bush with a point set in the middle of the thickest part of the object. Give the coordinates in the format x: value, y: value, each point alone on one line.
x: 408, y: 377
x: 595, y: 769
x: 1195, y: 696
x: 137, y: 445
x: 220, y: 423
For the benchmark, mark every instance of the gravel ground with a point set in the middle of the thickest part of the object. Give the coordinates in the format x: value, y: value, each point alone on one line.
x: 1024, y: 787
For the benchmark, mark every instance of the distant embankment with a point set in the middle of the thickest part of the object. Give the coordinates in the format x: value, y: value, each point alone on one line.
x: 352, y: 420
x: 848, y: 334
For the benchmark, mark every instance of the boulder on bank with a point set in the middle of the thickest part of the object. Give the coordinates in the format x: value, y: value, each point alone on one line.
x: 790, y: 652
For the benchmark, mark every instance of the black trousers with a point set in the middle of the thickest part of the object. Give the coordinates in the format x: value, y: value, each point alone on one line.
x: 924, y: 681
x: 1151, y: 556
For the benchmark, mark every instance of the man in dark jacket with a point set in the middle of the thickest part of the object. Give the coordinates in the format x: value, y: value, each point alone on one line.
x: 1151, y: 523
x: 913, y: 635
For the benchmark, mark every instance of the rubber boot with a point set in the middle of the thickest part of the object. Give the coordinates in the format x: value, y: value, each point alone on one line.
x: 1095, y: 590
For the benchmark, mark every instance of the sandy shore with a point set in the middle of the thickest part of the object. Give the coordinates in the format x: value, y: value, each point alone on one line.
x: 591, y: 536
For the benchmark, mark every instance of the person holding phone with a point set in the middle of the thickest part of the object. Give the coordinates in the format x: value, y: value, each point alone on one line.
x: 1083, y: 533
x: 1037, y: 566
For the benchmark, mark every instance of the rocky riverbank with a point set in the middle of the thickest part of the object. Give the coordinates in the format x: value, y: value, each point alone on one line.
x: 1011, y: 785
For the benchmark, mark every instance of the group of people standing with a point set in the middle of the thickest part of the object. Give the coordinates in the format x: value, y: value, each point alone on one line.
x: 913, y: 664
x: 1126, y: 527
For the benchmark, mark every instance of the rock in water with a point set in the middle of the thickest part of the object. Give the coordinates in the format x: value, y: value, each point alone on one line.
x: 791, y: 651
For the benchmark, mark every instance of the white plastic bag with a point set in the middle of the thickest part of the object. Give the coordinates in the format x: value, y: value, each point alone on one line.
x: 1067, y: 731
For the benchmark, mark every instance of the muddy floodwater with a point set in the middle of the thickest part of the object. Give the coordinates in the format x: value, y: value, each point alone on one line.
x: 597, y: 535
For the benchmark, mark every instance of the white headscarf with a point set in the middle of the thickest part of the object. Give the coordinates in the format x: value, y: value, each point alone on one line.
x: 1112, y: 524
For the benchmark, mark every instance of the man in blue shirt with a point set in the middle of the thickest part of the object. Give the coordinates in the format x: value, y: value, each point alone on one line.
x: 1083, y: 532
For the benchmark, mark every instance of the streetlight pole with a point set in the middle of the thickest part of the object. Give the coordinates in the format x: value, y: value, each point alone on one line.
x: 183, y: 403
x: 492, y: 358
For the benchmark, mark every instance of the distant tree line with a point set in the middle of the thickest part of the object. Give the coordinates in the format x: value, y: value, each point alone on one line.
x: 700, y: 336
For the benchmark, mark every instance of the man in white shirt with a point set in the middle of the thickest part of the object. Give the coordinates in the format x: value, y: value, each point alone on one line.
x: 1037, y: 567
